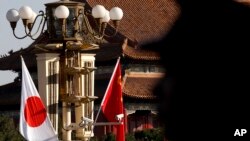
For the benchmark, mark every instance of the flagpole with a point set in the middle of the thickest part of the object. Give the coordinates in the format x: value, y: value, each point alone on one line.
x: 117, y: 63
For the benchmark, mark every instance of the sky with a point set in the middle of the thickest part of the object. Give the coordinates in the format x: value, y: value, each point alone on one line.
x: 8, y: 41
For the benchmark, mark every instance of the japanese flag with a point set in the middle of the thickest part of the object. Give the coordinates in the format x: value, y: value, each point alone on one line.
x: 34, y: 123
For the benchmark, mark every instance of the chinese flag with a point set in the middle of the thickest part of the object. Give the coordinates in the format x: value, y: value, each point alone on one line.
x: 112, y: 103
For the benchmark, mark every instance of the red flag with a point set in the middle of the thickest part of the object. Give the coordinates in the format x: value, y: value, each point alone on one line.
x: 34, y: 121
x: 112, y: 104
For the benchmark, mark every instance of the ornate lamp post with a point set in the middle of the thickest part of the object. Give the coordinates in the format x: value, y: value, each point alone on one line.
x: 65, y: 20
x: 71, y: 30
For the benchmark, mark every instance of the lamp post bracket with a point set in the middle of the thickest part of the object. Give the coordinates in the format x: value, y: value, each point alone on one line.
x: 77, y: 99
x: 79, y: 70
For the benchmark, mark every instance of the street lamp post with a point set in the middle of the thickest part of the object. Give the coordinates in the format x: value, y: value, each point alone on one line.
x: 70, y: 33
x: 66, y: 20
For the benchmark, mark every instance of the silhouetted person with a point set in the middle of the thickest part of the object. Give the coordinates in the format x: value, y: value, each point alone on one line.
x: 204, y: 94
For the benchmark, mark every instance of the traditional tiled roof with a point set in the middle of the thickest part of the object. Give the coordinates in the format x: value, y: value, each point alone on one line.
x: 144, y: 20
x: 140, y: 85
x: 243, y: 1
x: 139, y: 54
x: 12, y: 61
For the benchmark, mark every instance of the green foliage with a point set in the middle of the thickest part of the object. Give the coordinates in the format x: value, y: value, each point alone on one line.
x: 8, y: 131
x: 130, y: 137
x: 109, y: 137
x: 149, y: 135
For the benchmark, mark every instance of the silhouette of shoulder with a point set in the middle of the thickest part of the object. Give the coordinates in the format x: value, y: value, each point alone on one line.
x: 206, y: 57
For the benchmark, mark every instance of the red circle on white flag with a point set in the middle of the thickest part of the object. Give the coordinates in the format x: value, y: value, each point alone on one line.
x: 34, y: 111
